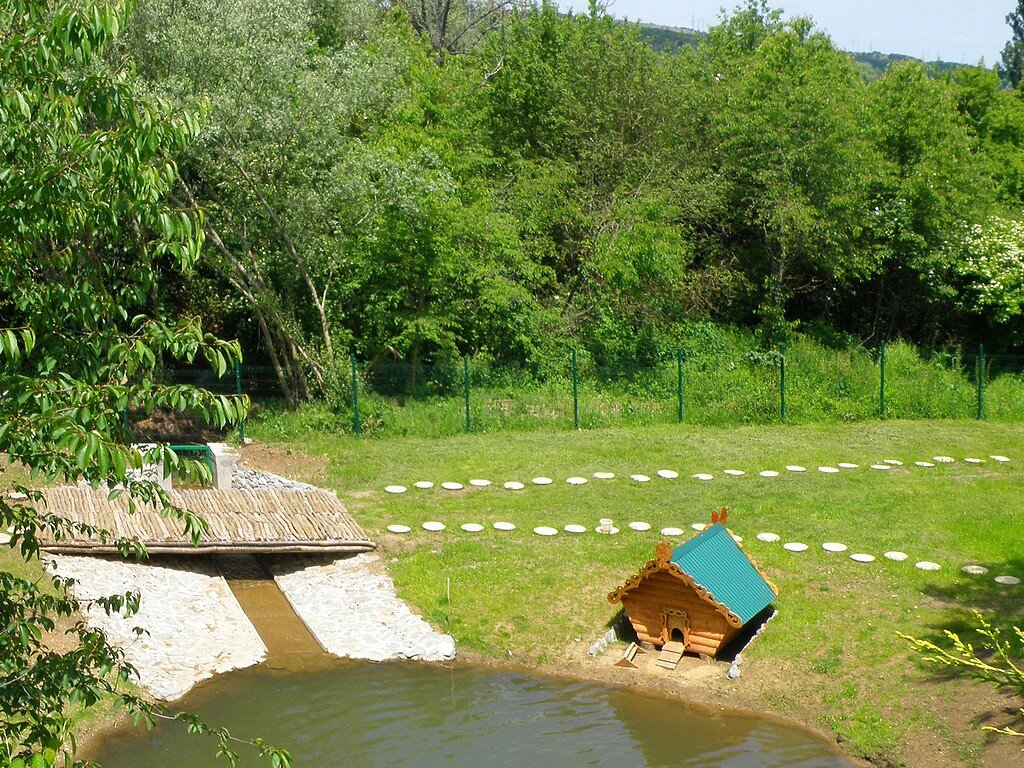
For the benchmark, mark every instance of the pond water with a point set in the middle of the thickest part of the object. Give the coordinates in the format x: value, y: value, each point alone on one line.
x: 399, y: 715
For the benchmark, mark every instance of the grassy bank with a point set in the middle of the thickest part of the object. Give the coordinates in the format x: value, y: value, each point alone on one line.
x: 831, y: 657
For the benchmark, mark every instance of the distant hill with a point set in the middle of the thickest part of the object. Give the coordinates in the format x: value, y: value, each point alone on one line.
x: 871, y: 64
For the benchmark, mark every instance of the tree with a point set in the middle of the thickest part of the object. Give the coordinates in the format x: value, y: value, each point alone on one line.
x: 455, y: 26
x: 83, y: 226
x: 1012, y: 66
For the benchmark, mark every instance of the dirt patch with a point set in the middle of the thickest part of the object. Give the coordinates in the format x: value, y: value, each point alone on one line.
x: 295, y: 465
x: 167, y: 426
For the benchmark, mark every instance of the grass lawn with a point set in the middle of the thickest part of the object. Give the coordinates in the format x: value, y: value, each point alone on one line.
x: 831, y: 657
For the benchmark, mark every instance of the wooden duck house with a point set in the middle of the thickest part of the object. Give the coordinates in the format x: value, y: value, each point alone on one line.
x: 701, y: 593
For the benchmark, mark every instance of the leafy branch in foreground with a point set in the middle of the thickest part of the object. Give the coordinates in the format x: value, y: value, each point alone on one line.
x: 1000, y: 666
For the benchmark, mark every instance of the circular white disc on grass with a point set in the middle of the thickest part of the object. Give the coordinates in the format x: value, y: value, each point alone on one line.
x: 893, y: 462
x: 514, y: 485
x: 975, y: 570
x: 699, y: 526
x: 395, y: 488
x: 609, y: 532
x: 769, y: 473
x: 396, y: 528
x: 847, y: 465
x: 834, y: 546
x: 881, y: 467
x: 576, y: 480
x: 1007, y: 580
x: 925, y: 464
x: 927, y: 565
x: 501, y: 525
x: 573, y: 528
x: 640, y: 478
x: 861, y: 557
x: 424, y: 484
x: 433, y: 525
x: 640, y: 526
x: 828, y: 470
x: 733, y: 472
x: 899, y: 557
x: 452, y: 486
x: 543, y: 530
x: 795, y: 546
x: 668, y: 474
x: 703, y: 476
x: 1003, y: 459
x: 737, y: 539
x: 944, y: 459
x: 768, y: 537
x: 472, y: 527
x: 795, y: 468
x: 974, y: 461
x: 604, y: 475
x: 479, y: 483
x: 542, y: 481
x: 671, y: 531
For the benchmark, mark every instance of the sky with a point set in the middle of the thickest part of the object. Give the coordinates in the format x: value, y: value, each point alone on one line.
x: 953, y: 30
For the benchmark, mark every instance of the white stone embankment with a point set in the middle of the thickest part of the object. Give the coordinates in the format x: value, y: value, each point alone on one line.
x: 350, y: 606
x: 194, y: 626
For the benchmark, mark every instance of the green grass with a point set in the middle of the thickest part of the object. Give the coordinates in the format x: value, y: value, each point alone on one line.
x: 831, y: 655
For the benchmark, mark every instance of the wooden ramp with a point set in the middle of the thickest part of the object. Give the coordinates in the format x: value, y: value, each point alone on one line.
x: 239, y: 520
x: 671, y: 653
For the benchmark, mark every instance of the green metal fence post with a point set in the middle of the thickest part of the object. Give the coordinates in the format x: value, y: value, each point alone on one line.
x: 679, y: 385
x: 980, y: 376
x: 881, y: 381
x: 238, y: 391
x: 782, y: 383
x: 355, y: 395
x: 575, y: 392
x: 465, y: 387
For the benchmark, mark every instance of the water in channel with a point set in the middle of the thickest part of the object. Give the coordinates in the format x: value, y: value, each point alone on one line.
x: 404, y: 715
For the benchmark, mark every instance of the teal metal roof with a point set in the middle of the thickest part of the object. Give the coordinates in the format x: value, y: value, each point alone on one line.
x: 716, y: 562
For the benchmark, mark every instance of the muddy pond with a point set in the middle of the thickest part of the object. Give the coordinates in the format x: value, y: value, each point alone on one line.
x: 398, y: 715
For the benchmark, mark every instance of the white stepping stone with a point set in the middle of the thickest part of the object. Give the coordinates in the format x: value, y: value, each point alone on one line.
x: 944, y: 459
x: 895, y: 555
x: 699, y: 526
x: 514, y: 485
x: 396, y: 528
x: 640, y: 478
x: 795, y: 468
x: 925, y: 464
x: 847, y: 465
x: 862, y: 557
x: 668, y: 474
x: 881, y: 467
x: 975, y: 570
x: 828, y: 470
x: 576, y: 480
x: 1007, y: 580
x: 769, y: 473
x: 472, y: 527
x: 433, y: 525
x: 542, y: 481
x: 795, y: 546
x: 423, y: 484
x: 768, y: 538
x: 834, y: 546
x: 637, y: 525
x: 927, y: 565
x: 574, y: 528
x: 703, y: 476
x: 604, y: 475
x: 395, y: 488
x: 478, y: 483
x: 672, y: 531
x: 974, y: 461
x: 501, y: 525
x: 606, y: 531
x: 733, y: 472
x: 893, y: 462
x: 452, y: 486
x: 737, y: 539
x: 543, y: 530
x: 1002, y: 459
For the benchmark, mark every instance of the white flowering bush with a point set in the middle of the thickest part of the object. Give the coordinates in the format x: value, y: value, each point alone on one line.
x: 993, y: 263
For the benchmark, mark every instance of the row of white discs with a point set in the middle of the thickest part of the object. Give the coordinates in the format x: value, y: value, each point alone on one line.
x: 669, y: 474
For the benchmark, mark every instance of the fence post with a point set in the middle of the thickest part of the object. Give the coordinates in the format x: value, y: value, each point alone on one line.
x: 575, y: 392
x: 881, y: 381
x: 465, y: 387
x: 355, y: 394
x: 782, y: 383
x: 679, y: 385
x: 238, y: 391
x: 980, y: 376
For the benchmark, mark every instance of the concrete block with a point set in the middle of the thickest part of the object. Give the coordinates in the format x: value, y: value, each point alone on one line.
x: 224, y: 462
